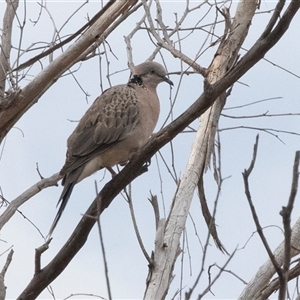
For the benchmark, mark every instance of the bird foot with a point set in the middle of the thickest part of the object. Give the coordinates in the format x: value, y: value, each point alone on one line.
x: 111, y: 171
x: 147, y: 163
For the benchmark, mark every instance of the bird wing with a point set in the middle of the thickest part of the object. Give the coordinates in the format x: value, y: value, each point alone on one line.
x: 112, y: 116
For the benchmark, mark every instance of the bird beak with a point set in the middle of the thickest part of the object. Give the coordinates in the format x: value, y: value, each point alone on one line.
x: 167, y: 80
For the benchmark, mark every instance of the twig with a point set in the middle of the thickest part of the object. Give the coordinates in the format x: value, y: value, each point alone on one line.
x: 59, y: 45
x: 2, y: 274
x: 230, y: 272
x: 6, y: 44
x: 103, y: 250
x: 266, y: 114
x: 85, y: 295
x: 38, y: 171
x: 154, y: 204
x: 38, y: 253
x: 166, y: 42
x: 286, y: 217
x: 266, y: 130
x: 212, y: 282
x: 7, y: 263
x: 246, y: 175
x: 136, y: 229
x: 252, y: 103
x: 33, y: 190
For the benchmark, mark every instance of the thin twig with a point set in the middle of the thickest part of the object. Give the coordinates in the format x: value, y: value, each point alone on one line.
x: 7, y: 263
x: 155, y: 206
x: 286, y: 218
x: 266, y: 114
x: 59, y: 45
x: 246, y: 175
x: 266, y: 130
x: 25, y: 196
x: 208, y: 288
x: 38, y: 253
x: 103, y: 251
x: 136, y: 229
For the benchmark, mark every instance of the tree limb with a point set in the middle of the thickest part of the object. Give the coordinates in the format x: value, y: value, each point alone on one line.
x: 33, y: 190
x: 8, y: 18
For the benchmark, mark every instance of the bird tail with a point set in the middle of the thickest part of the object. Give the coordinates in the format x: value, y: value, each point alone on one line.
x: 63, y: 200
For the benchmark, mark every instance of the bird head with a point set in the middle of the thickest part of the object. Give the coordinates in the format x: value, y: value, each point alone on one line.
x: 150, y: 74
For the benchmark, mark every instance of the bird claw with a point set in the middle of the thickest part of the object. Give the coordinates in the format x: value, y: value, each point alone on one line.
x: 111, y: 171
x: 147, y: 163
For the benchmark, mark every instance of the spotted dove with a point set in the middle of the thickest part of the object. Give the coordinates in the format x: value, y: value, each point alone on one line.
x: 117, y: 124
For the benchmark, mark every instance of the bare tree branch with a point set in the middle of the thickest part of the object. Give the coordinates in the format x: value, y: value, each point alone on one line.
x: 286, y: 213
x: 274, y: 285
x: 38, y: 253
x: 36, y: 188
x: 36, y: 58
x: 135, y: 226
x: 246, y: 175
x: 9, y: 15
x: 2, y: 274
x: 103, y: 250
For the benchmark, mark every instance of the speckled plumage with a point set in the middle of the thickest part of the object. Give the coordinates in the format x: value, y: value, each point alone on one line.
x: 117, y: 124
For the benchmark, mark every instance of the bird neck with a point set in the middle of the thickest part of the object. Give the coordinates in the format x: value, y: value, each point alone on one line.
x: 136, y: 80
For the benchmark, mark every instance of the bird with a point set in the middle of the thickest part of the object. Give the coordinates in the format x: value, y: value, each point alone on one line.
x: 117, y: 124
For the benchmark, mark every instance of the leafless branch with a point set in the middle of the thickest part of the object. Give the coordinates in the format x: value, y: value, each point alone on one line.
x: 59, y: 45
x: 230, y: 272
x: 7, y: 263
x: 2, y: 274
x: 155, y: 206
x: 266, y: 114
x: 246, y: 174
x: 212, y: 282
x: 103, y: 249
x: 6, y: 43
x: 36, y: 188
x: 38, y: 253
x: 252, y: 103
x: 166, y: 42
x: 266, y: 130
x: 136, y: 229
x: 286, y: 217
x: 274, y: 285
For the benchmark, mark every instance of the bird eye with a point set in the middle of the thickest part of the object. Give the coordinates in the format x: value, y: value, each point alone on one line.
x: 152, y: 71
